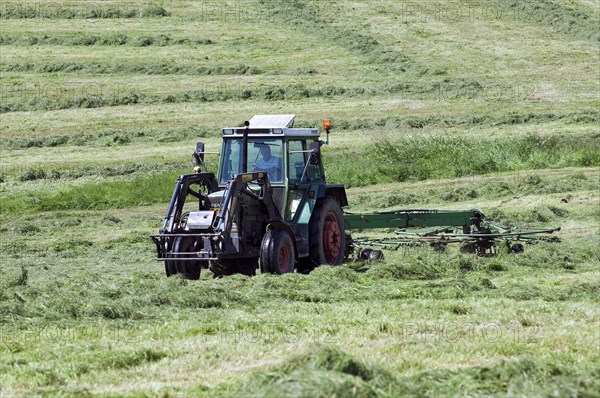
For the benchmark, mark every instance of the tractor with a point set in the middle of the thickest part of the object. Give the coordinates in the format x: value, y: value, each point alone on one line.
x: 269, y: 207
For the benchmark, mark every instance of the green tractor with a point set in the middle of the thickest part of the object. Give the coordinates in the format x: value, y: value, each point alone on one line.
x: 269, y: 207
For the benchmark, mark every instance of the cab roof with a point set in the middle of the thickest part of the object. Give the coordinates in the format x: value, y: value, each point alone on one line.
x: 272, y: 125
x: 268, y: 121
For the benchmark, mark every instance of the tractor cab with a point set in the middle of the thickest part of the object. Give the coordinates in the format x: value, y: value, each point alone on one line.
x: 273, y: 146
x: 290, y: 157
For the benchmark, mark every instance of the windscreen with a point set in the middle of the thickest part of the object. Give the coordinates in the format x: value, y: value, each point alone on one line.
x: 264, y: 154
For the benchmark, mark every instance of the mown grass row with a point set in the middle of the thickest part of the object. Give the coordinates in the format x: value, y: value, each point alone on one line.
x: 446, y: 90
x: 118, y: 39
x: 111, y: 137
x: 562, y: 18
x: 461, y: 90
x: 328, y: 371
x: 449, y: 121
x: 417, y: 274
x: 163, y: 68
x: 67, y: 10
x: 123, y: 169
x: 211, y: 94
x: 482, y: 187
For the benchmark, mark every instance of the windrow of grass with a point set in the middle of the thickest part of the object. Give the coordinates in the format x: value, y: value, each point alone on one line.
x: 163, y: 68
x: 39, y: 292
x: 329, y: 371
x: 556, y: 15
x: 389, y: 160
x: 86, y: 39
x: 461, y: 89
x: 110, y: 137
x: 79, y: 10
x: 123, y: 169
x: 118, y: 137
x: 449, y: 121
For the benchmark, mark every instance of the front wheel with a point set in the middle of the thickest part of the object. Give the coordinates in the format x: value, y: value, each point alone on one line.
x: 277, y: 254
x: 190, y: 269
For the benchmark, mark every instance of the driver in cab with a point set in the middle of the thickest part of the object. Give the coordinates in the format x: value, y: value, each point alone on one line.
x: 268, y: 163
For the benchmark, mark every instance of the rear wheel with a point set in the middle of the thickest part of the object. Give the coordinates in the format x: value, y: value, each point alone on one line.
x: 327, y: 237
x: 189, y: 269
x: 277, y: 252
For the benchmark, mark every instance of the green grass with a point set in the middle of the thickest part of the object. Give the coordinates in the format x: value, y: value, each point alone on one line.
x: 420, y: 158
x: 385, y: 161
x: 496, y: 110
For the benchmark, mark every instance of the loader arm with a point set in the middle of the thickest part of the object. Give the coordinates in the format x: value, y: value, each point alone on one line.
x: 182, y: 189
x: 236, y: 187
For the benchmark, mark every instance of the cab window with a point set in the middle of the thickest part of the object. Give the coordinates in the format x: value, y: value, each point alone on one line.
x: 296, y: 160
x: 264, y: 154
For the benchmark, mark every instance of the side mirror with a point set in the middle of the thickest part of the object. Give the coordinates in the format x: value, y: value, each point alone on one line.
x: 199, y: 153
x: 315, y: 153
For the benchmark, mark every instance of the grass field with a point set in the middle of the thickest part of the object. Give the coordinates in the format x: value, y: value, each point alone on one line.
x: 449, y: 104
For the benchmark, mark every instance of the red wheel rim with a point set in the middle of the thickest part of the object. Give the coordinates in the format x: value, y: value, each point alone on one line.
x: 284, y: 259
x: 331, y: 239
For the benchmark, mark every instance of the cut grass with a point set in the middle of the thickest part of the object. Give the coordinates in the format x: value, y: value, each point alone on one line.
x: 415, y: 96
x: 64, y: 10
x: 110, y: 137
x: 380, y: 128
x: 82, y: 39
x: 165, y: 68
x: 559, y: 17
x: 326, y: 372
x: 114, y: 313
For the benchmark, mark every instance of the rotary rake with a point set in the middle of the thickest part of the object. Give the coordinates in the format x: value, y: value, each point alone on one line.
x: 438, y: 228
